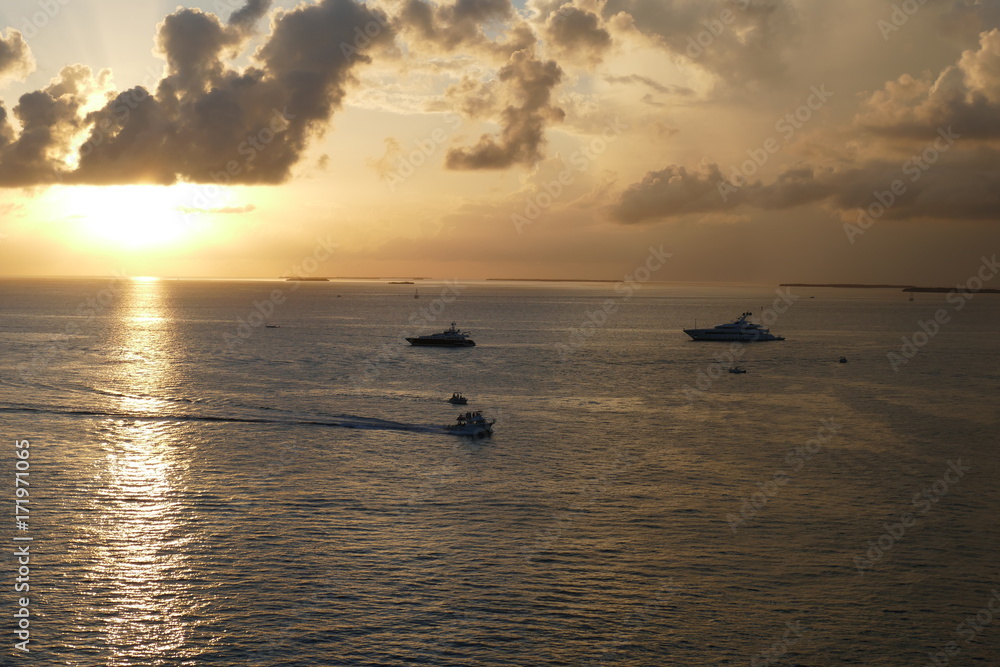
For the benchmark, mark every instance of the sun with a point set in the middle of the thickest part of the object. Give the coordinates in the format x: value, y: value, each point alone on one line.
x: 134, y: 217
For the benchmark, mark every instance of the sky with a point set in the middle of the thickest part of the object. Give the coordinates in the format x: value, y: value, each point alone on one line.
x: 754, y: 141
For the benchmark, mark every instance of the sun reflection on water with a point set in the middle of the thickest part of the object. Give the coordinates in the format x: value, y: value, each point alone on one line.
x: 140, y: 567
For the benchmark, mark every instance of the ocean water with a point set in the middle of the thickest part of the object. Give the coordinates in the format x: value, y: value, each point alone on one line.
x: 207, y: 490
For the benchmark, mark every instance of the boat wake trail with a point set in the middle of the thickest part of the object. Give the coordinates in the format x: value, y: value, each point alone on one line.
x: 363, y: 423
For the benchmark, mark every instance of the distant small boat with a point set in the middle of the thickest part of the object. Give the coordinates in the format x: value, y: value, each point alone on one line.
x: 472, y: 423
x: 843, y: 360
x: 400, y: 282
x: 458, y: 399
x: 272, y: 326
x: 737, y: 370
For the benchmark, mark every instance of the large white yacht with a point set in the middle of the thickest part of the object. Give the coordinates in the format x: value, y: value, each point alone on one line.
x: 449, y: 338
x: 740, y: 329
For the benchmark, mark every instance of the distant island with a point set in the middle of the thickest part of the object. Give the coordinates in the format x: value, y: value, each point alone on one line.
x: 905, y: 288
x: 847, y: 286
x: 555, y: 280
x: 311, y: 279
x: 961, y: 290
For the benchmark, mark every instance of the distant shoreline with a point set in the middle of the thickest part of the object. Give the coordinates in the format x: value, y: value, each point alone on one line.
x: 555, y: 280
x: 847, y: 285
x: 904, y: 288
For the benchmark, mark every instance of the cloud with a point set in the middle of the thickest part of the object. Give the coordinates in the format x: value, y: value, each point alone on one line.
x: 49, y: 120
x: 969, y: 18
x: 636, y: 79
x: 742, y: 42
x: 388, y: 163
x: 15, y: 56
x: 965, y: 95
x: 934, y: 136
x: 960, y: 186
x: 205, y: 121
x: 673, y: 192
x: 463, y: 25
x: 528, y: 82
x: 245, y: 19
x: 576, y: 33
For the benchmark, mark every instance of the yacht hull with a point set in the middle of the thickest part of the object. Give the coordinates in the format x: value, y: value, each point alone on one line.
x: 731, y: 336
x: 438, y: 342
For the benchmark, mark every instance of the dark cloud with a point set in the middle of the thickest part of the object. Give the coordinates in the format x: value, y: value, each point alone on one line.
x: 529, y: 83
x: 15, y: 56
x: 463, y: 25
x: 577, y: 33
x: 49, y: 120
x: 743, y: 42
x: 969, y: 18
x: 473, y: 98
x: 205, y: 121
x: 673, y: 192
x: 955, y: 186
x: 246, y: 17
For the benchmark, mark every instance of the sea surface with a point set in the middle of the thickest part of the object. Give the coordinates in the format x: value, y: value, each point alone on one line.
x: 254, y: 473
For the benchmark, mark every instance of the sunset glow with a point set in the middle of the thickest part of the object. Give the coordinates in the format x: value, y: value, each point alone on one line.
x: 133, y: 217
x: 759, y: 141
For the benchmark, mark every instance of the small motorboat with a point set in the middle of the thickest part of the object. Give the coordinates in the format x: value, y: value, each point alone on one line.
x: 458, y: 399
x: 843, y: 360
x: 472, y: 423
x: 737, y: 370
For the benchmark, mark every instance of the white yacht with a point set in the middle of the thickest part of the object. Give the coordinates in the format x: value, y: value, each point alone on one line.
x: 449, y: 338
x: 740, y: 329
x: 472, y: 423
